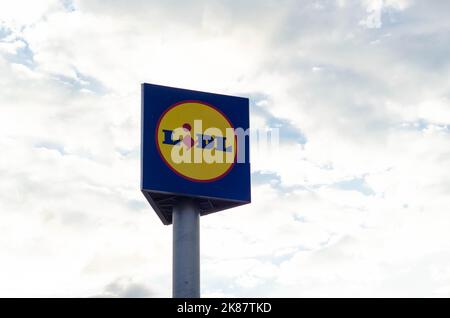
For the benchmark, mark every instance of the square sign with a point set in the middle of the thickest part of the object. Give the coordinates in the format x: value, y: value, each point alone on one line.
x: 194, y: 144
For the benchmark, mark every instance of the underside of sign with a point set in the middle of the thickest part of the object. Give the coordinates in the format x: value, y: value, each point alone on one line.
x: 163, y: 204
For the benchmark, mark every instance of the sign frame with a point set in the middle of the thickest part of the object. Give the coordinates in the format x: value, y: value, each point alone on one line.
x: 161, y: 185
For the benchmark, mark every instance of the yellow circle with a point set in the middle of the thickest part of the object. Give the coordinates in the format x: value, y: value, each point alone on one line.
x: 196, y: 141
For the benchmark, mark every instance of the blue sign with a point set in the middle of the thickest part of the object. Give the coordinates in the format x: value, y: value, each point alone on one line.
x: 194, y: 144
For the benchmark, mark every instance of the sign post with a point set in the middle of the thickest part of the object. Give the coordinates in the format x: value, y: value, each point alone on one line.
x: 186, y: 250
x: 194, y: 161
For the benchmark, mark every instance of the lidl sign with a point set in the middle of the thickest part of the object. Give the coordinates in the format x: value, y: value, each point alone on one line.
x: 194, y: 144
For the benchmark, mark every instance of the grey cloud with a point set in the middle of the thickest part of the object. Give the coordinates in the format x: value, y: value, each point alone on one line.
x: 125, y: 288
x: 288, y: 132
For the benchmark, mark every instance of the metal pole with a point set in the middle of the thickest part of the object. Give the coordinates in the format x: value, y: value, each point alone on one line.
x: 186, y: 250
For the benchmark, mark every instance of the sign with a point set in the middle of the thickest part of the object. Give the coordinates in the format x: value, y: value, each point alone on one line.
x: 194, y: 144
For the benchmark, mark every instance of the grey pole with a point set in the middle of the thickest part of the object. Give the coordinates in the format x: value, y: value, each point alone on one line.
x: 186, y: 250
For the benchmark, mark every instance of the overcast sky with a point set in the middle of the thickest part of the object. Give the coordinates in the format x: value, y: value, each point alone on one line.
x: 355, y: 202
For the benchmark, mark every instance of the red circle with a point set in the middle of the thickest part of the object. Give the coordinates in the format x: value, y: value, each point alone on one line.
x: 164, y: 159
x: 187, y: 127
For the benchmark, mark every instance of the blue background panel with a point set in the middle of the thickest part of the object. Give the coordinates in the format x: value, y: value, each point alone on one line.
x: 160, y: 185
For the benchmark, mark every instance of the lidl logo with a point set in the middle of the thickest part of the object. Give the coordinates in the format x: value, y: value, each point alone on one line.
x: 196, y: 140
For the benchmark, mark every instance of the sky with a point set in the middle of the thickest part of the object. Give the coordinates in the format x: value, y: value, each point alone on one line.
x: 354, y: 201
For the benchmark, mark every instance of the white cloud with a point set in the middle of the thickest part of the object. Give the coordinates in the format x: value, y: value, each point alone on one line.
x: 22, y: 12
x: 375, y: 10
x: 359, y: 207
x: 11, y: 47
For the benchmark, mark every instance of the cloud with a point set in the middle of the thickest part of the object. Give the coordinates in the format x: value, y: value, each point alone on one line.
x: 126, y: 288
x: 352, y: 202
